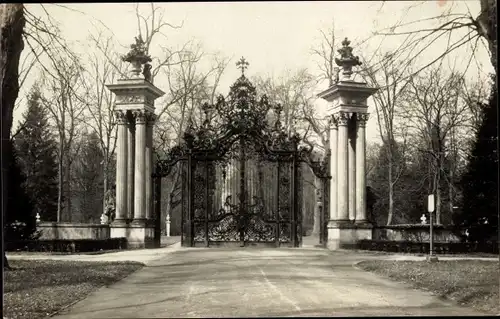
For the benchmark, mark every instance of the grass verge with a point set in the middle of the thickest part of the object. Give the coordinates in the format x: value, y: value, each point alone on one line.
x: 38, y: 288
x: 471, y: 283
x: 60, y: 253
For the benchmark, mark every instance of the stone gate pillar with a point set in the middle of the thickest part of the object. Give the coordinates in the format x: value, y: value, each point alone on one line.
x: 348, y: 99
x: 134, y: 107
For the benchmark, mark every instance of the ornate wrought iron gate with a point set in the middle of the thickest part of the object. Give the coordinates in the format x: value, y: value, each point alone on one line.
x: 241, y: 176
x: 245, y: 196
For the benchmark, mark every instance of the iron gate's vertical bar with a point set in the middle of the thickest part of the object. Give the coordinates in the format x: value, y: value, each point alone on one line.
x: 190, y: 214
x: 157, y: 201
x: 294, y: 197
x: 242, y: 191
x: 207, y: 185
x: 277, y: 199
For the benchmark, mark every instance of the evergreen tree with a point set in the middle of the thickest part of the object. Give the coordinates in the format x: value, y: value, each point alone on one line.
x: 89, y: 179
x: 19, y: 221
x: 480, y: 182
x: 36, y: 148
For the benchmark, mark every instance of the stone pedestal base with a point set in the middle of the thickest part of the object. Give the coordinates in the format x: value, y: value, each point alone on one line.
x: 432, y: 259
x: 138, y: 235
x: 345, y: 234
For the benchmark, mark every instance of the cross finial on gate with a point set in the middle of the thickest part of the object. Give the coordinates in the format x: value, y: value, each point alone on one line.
x: 242, y: 64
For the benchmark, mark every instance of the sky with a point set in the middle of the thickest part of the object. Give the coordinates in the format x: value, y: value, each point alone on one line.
x: 273, y: 36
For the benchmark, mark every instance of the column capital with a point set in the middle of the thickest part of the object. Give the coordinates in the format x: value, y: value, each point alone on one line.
x: 150, y: 118
x: 343, y: 118
x: 333, y: 121
x: 362, y: 118
x: 140, y: 116
x: 121, y: 117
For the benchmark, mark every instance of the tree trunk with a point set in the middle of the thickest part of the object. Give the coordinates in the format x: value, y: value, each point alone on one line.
x: 104, y: 188
x: 450, y: 194
x: 488, y: 26
x: 438, y: 201
x: 60, y: 185
x: 391, y: 191
x: 11, y: 44
x: 451, y: 177
x: 438, y: 189
x: 67, y: 191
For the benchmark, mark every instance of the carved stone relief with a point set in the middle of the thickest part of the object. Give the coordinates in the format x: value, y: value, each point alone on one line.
x: 130, y: 99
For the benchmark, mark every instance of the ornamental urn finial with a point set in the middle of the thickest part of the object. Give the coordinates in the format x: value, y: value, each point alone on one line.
x: 347, y: 60
x: 137, y: 56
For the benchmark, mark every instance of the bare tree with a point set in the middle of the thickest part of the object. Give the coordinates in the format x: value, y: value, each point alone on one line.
x: 149, y: 28
x: 189, y: 87
x: 434, y: 111
x: 11, y: 44
x: 20, y: 28
x: 326, y: 55
x: 475, y: 96
x: 66, y: 109
x: 372, y: 157
x: 416, y: 39
x: 388, y: 78
x: 293, y: 91
x: 104, y: 67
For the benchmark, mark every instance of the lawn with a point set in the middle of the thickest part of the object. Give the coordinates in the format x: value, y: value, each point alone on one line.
x: 38, y: 288
x: 471, y: 283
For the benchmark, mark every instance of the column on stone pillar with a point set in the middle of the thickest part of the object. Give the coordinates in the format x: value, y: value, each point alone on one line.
x: 351, y: 166
x: 149, y: 165
x: 333, y: 167
x: 342, y: 160
x: 140, y: 166
x: 360, y: 169
x: 130, y: 165
x: 121, y: 167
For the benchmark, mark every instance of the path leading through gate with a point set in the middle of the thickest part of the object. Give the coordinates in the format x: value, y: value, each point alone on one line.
x: 258, y: 282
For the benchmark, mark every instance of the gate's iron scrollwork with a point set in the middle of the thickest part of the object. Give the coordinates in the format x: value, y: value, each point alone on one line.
x: 240, y: 172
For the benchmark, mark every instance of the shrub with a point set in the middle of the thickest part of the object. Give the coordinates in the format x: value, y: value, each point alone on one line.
x: 423, y: 247
x: 66, y: 245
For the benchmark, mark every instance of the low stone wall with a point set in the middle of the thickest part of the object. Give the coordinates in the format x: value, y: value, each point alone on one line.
x: 53, y: 230
x: 414, y: 233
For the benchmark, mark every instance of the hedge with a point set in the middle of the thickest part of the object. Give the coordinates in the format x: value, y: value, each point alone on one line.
x: 423, y: 247
x: 67, y: 245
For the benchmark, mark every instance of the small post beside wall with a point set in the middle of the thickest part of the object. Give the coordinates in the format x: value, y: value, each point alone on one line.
x: 167, y: 225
